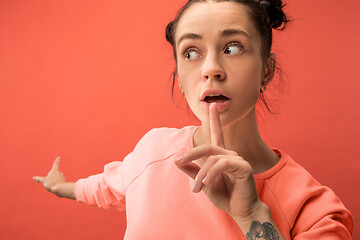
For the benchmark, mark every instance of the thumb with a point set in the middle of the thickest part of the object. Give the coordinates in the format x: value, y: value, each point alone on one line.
x: 56, y: 164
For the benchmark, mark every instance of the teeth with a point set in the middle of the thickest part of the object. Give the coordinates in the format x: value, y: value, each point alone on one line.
x: 213, y: 95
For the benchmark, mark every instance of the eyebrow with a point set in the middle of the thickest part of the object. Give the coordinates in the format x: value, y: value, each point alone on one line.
x: 225, y: 33
x: 189, y: 36
x: 230, y: 32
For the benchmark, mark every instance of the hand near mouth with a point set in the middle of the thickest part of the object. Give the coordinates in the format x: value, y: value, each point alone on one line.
x: 225, y: 177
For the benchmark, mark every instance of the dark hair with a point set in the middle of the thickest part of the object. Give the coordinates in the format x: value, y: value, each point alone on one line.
x: 265, y: 14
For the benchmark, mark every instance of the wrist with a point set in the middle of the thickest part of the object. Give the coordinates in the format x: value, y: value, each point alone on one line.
x: 258, y: 212
x: 258, y: 222
x: 65, y: 190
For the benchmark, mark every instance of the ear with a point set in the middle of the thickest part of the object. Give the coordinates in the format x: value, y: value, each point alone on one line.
x: 269, y: 70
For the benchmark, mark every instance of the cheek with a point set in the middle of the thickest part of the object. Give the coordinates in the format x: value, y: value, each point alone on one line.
x: 187, y: 76
x: 248, y: 76
x: 246, y: 84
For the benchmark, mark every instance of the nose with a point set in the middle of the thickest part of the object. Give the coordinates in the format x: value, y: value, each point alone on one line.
x: 212, y: 70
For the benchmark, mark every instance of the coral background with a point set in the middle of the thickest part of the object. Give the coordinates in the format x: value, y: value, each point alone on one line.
x: 85, y: 80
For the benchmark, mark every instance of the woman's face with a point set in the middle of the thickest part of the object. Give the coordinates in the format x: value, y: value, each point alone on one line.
x: 219, y: 52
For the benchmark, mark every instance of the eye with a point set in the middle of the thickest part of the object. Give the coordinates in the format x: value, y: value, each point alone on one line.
x: 233, y: 48
x: 191, y: 54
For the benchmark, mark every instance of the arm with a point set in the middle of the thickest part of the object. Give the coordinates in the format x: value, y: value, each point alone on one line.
x: 55, y: 182
x: 322, y: 216
x: 100, y: 190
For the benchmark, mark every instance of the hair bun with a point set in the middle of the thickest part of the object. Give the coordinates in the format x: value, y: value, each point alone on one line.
x: 277, y: 17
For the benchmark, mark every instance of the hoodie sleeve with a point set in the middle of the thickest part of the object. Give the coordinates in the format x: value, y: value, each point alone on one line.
x: 105, y: 190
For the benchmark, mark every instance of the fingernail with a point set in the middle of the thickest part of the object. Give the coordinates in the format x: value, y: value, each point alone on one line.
x: 196, y: 187
x: 204, y: 181
x: 179, y: 160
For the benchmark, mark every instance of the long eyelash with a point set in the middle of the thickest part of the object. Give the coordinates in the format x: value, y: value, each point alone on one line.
x: 187, y: 51
x: 235, y: 44
x: 184, y: 53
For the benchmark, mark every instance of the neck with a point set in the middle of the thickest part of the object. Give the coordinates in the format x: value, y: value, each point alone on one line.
x: 244, y: 138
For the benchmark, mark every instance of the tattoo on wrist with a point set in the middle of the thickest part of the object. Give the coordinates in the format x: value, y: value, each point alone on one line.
x: 265, y: 231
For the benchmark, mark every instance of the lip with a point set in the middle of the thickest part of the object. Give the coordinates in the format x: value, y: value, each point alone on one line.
x: 211, y: 91
x: 220, y: 106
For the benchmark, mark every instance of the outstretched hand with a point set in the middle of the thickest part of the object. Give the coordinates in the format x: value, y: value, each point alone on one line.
x: 225, y: 177
x: 53, y: 178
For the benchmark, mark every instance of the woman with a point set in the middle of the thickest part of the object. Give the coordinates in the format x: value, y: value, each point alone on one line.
x: 218, y: 180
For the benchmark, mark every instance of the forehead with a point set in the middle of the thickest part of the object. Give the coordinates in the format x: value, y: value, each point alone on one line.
x: 213, y: 17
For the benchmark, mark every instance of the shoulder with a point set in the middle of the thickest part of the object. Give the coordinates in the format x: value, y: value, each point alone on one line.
x: 292, y: 183
x: 166, y: 140
x: 290, y: 175
x: 166, y: 135
x: 298, y: 182
x: 302, y: 199
x: 159, y: 144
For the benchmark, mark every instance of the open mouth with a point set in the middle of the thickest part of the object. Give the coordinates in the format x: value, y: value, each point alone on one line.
x: 217, y: 98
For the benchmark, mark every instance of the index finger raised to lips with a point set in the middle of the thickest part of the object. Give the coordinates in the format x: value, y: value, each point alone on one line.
x: 216, y: 132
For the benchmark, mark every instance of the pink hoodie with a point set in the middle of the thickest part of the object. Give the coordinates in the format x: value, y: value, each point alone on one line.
x: 160, y: 204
